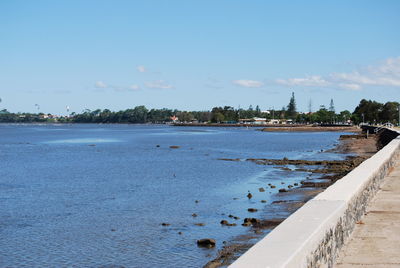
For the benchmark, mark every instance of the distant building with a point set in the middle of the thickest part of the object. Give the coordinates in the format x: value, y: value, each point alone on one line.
x: 273, y: 121
x: 259, y: 120
x: 254, y: 121
x: 174, y: 119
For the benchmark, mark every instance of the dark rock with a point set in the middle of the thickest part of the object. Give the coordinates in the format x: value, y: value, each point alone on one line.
x: 249, y: 195
x: 283, y: 190
x: 165, y: 224
x: 295, y: 184
x: 174, y: 147
x: 273, y: 186
x: 230, y: 159
x: 194, y: 215
x: 197, y: 201
x: 261, y: 189
x: 251, y: 221
x: 279, y: 201
x: 236, y: 218
x: 252, y: 210
x: 224, y: 222
x: 206, y: 242
x: 200, y: 224
x: 263, y: 201
x: 179, y: 233
x: 158, y: 145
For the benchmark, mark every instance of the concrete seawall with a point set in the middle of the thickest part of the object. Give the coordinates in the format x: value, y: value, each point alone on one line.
x: 314, y: 234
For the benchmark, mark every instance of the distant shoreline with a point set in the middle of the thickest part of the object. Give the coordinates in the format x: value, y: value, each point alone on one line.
x: 264, y: 127
x: 279, y: 128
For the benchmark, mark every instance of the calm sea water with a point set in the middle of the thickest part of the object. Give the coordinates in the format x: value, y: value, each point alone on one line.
x: 95, y: 195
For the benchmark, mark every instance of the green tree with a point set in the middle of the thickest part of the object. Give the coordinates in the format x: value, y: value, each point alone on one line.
x: 367, y: 111
x: 390, y: 112
x: 344, y: 116
x: 291, y: 108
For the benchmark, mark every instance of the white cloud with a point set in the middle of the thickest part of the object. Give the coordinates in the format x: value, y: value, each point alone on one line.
x: 385, y: 74
x: 248, y: 83
x: 158, y: 84
x: 308, y: 81
x: 350, y: 86
x: 141, y: 69
x: 100, y: 84
x: 134, y: 87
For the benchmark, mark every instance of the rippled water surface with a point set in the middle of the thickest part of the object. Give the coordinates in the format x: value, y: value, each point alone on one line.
x: 95, y: 195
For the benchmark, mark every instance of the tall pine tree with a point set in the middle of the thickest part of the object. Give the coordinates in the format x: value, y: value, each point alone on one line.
x: 291, y: 108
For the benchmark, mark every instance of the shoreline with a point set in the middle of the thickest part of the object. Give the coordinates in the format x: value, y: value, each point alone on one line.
x: 278, y: 127
x: 287, y: 202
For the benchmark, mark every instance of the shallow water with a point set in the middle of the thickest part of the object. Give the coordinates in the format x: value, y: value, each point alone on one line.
x: 95, y: 195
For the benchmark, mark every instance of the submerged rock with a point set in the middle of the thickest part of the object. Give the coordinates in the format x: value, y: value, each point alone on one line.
x: 230, y: 159
x: 206, y: 242
x: 226, y: 223
x: 251, y: 221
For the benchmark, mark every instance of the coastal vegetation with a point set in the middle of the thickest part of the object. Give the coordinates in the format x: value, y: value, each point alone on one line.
x: 367, y: 111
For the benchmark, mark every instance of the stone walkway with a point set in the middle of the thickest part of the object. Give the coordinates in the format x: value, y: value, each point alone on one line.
x: 375, y: 241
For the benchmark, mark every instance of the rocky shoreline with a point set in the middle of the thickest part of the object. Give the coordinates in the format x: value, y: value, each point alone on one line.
x: 292, y: 197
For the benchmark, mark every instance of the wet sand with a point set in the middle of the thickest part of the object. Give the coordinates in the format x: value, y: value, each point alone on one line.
x: 287, y: 202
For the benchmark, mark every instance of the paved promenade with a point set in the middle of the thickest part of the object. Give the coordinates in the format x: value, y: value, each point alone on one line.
x: 375, y: 241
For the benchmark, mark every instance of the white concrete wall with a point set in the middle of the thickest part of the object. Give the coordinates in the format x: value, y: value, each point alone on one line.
x: 313, y: 235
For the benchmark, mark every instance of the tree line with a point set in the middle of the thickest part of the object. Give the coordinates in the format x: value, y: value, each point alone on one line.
x: 367, y: 111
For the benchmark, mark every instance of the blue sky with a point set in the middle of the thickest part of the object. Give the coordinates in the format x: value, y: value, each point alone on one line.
x: 194, y: 55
